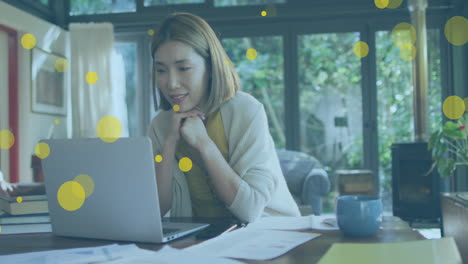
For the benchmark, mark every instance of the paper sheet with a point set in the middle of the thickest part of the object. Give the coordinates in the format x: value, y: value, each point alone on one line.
x: 113, y: 254
x: 249, y: 243
x: 432, y: 251
x: 25, y: 228
x: 295, y: 223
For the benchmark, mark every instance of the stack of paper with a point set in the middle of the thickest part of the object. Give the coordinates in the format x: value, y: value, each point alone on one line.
x: 433, y: 251
x: 248, y: 243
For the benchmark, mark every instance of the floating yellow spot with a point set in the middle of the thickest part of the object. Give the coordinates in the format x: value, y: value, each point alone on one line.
x: 57, y: 121
x: 91, y: 77
x: 456, y: 30
x: 28, y: 41
x: 42, y: 150
x: 270, y: 10
x: 7, y: 139
x: 109, y: 129
x: 158, y: 158
x: 176, y: 108
x: 466, y: 103
x: 0, y: 229
x: 185, y: 164
x: 394, y: 3
x: 408, y: 52
x: 361, y: 49
x: 150, y: 32
x: 19, y: 199
x: 86, y: 182
x: 264, y: 13
x: 402, y: 34
x: 453, y: 107
x: 251, y: 54
x: 381, y: 3
x: 71, y: 195
x: 227, y: 62
x: 61, y: 65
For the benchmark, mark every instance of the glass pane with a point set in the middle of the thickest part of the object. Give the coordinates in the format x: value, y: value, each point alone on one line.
x: 128, y: 50
x: 89, y: 7
x: 262, y: 77
x: 395, y: 101
x: 171, y: 2
x: 330, y: 102
x: 246, y: 2
x: 44, y: 2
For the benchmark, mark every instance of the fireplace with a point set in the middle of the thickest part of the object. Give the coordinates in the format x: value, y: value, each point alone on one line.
x: 416, y: 194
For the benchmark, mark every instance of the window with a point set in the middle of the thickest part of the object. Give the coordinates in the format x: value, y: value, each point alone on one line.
x: 171, y: 2
x: 89, y: 7
x: 44, y: 2
x: 330, y: 102
x: 262, y: 77
x: 395, y: 101
x: 246, y: 2
x: 128, y: 50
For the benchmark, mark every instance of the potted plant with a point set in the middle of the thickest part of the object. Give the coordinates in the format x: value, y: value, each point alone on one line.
x: 449, y: 146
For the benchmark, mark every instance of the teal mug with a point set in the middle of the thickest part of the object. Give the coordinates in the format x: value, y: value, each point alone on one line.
x: 358, y: 215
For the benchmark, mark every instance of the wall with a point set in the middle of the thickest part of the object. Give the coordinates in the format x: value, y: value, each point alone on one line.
x: 33, y: 126
x: 4, y: 161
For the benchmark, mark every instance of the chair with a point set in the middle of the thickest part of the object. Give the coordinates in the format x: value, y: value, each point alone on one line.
x: 306, y: 179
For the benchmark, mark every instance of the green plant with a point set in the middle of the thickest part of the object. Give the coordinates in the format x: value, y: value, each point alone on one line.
x: 449, y: 146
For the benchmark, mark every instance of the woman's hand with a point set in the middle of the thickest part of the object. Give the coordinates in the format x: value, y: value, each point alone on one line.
x: 178, y: 118
x: 194, y: 132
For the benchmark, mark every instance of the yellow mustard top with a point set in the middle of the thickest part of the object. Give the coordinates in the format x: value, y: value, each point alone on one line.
x: 205, y: 202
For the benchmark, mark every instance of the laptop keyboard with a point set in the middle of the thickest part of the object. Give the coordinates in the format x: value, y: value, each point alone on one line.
x: 169, y: 230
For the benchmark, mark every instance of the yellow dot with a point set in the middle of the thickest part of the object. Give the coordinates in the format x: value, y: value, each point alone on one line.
x: 19, y: 199
x: 42, y: 150
x: 185, y: 164
x: 28, y: 41
x: 466, y: 103
x: 251, y: 54
x: 61, y: 65
x: 453, y: 107
x: 158, y: 158
x: 361, y: 49
x: 91, y: 77
x: 109, y: 129
x: 456, y: 30
x: 57, y: 121
x: 7, y: 139
x: 227, y: 62
x: 0, y: 229
x: 86, y: 182
x: 150, y: 32
x: 394, y: 3
x: 408, y: 52
x: 403, y: 33
x: 71, y: 195
x: 264, y: 13
x: 176, y: 108
x: 381, y: 3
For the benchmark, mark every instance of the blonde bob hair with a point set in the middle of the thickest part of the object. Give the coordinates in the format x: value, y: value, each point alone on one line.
x: 192, y: 30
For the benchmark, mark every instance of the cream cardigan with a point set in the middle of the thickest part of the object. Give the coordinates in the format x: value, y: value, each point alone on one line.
x: 252, y: 155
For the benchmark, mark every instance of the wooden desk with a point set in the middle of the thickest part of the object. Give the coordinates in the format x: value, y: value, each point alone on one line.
x: 309, y: 252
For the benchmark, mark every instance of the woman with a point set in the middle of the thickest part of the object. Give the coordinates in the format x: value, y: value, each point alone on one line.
x: 235, y: 171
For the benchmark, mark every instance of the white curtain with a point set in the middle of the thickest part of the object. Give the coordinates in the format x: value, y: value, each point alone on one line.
x: 92, y: 50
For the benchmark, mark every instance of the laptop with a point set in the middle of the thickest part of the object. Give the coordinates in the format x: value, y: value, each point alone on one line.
x: 124, y: 204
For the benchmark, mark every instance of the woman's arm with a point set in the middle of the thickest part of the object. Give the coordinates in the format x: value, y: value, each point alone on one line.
x: 225, y: 180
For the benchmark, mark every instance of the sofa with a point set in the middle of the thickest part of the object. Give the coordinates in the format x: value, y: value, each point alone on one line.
x: 306, y: 179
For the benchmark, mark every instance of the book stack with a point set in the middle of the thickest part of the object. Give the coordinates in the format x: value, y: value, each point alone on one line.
x: 25, y: 211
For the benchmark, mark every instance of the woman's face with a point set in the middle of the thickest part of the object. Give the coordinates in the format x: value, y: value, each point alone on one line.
x: 181, y: 74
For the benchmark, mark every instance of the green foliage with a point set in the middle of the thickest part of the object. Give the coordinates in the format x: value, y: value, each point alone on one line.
x: 449, y: 146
